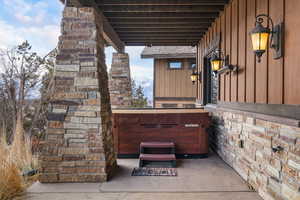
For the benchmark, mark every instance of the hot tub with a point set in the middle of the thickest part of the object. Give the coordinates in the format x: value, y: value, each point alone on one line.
x: 185, y: 127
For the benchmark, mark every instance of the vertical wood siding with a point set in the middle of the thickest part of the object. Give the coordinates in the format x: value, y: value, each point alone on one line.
x: 271, y: 81
x: 173, y: 83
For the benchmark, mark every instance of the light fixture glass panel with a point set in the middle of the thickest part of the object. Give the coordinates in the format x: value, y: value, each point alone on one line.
x: 194, y: 77
x: 260, y: 41
x: 216, y: 64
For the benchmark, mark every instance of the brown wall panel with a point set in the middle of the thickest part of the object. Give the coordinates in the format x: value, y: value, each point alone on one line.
x: 234, y: 48
x: 275, y: 70
x: 242, y: 31
x: 271, y: 81
x: 262, y: 67
x: 228, y: 51
x: 292, y: 53
x: 173, y: 83
x: 250, y: 57
x: 223, y: 46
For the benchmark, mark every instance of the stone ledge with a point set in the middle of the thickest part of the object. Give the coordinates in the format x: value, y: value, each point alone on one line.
x: 261, y: 116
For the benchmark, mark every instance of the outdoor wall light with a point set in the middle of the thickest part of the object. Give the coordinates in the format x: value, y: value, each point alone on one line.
x: 195, y: 77
x: 261, y: 35
x: 220, y: 64
x: 216, y: 62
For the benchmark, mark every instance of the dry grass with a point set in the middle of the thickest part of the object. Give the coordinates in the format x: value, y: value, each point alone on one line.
x: 14, y: 160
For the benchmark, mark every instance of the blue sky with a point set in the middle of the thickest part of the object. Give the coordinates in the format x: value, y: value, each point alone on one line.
x: 38, y: 21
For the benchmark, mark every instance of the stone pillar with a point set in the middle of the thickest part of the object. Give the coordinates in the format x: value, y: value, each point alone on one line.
x: 120, y: 81
x: 79, y: 145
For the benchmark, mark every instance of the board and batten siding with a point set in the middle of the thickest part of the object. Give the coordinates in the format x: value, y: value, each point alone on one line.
x: 173, y: 82
x: 271, y: 81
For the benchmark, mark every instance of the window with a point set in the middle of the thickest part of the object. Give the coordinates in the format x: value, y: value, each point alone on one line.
x: 175, y: 65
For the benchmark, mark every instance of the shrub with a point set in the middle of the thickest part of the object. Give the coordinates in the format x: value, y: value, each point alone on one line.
x: 14, y: 160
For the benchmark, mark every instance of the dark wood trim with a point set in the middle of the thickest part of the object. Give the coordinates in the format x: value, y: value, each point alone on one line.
x: 279, y: 113
x: 175, y: 98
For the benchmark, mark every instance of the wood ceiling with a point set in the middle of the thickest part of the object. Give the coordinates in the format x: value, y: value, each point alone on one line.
x: 156, y: 22
x: 160, y: 22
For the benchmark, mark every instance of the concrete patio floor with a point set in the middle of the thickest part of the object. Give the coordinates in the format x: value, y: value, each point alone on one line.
x: 206, y: 179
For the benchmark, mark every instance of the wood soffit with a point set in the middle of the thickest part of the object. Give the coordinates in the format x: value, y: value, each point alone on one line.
x: 158, y: 22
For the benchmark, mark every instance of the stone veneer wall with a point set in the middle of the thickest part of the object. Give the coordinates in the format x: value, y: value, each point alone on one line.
x: 79, y: 143
x: 120, y: 81
x: 273, y: 175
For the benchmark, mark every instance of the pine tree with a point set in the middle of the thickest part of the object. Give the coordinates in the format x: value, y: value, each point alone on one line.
x: 139, y: 100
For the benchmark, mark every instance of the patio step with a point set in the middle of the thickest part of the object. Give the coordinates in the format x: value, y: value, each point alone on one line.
x: 158, y: 157
x: 155, y: 152
x: 157, y: 147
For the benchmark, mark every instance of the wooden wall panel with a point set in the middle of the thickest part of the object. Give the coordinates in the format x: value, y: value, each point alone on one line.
x: 218, y: 33
x: 223, y: 46
x: 292, y: 53
x: 234, y: 48
x: 228, y: 51
x: 242, y: 35
x: 173, y: 83
x: 262, y: 67
x: 271, y: 81
x: 250, y: 57
x: 275, y: 70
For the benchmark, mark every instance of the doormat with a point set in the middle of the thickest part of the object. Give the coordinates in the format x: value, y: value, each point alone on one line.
x: 145, y: 171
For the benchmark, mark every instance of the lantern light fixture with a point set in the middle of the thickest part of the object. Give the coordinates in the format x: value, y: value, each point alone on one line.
x: 262, y: 35
x: 195, y: 77
x: 220, y: 63
x: 216, y: 63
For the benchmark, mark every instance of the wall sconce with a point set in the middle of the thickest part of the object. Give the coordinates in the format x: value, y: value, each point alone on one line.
x: 260, y: 37
x: 195, y: 77
x: 220, y: 64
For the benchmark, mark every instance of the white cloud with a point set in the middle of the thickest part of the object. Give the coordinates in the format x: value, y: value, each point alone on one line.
x: 140, y: 72
x: 42, y: 38
x: 27, y: 12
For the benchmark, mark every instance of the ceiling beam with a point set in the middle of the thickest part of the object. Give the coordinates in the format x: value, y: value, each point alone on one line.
x: 127, y: 38
x: 186, y: 41
x: 160, y: 44
x: 164, y: 15
x: 162, y: 2
x: 115, y: 21
x: 161, y: 8
x: 171, y: 33
x: 177, y: 26
x: 160, y: 30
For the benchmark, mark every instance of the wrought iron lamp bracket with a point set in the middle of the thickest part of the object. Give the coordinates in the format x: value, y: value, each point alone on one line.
x: 276, y: 39
x: 227, y: 66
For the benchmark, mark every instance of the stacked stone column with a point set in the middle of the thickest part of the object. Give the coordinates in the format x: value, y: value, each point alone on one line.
x: 120, y: 81
x: 79, y: 143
